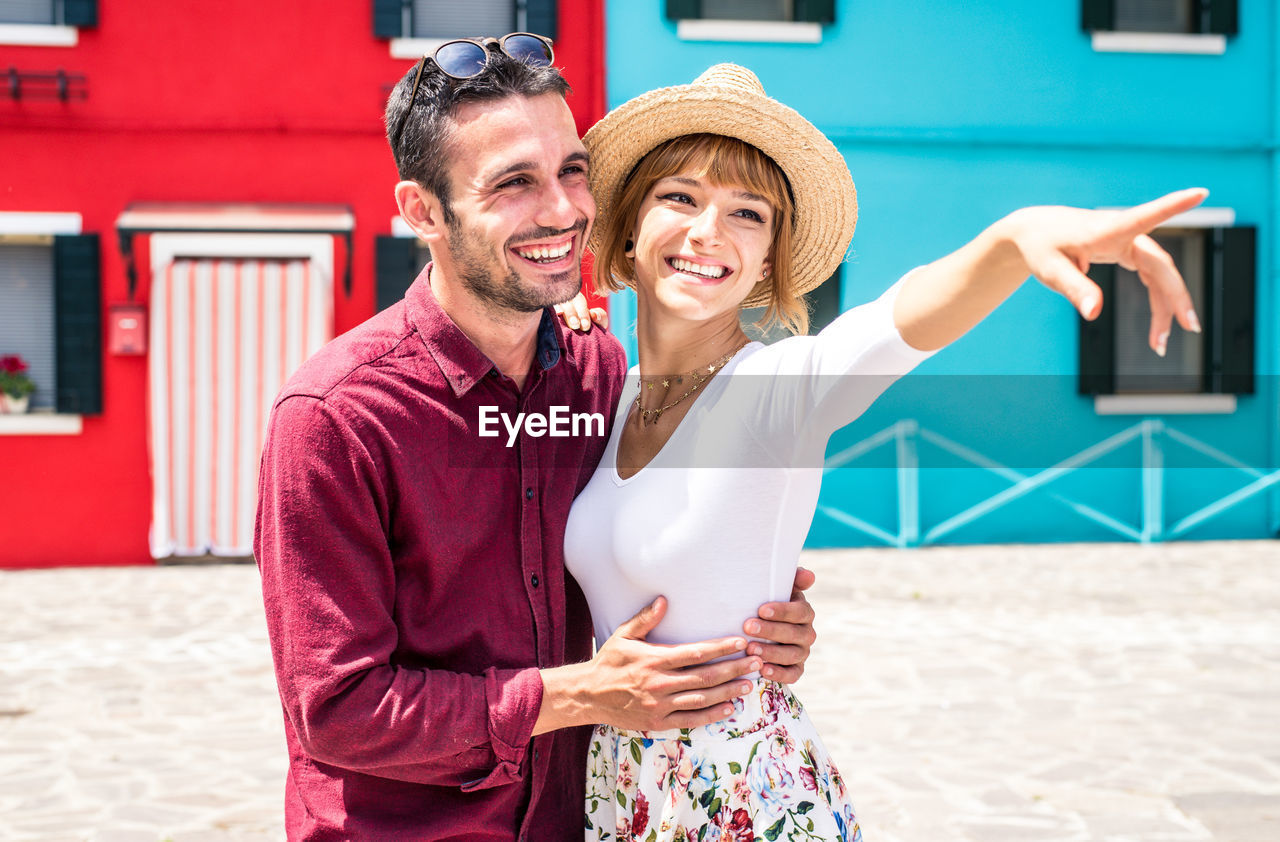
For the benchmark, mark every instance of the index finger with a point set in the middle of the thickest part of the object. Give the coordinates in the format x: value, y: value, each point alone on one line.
x: 1140, y: 219
x: 683, y: 655
x: 797, y: 610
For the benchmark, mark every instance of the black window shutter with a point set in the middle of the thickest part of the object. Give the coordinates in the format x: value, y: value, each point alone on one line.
x: 77, y: 294
x: 1224, y: 16
x: 1098, y: 338
x: 396, y: 267
x: 388, y: 21
x: 1234, y: 343
x: 540, y: 17
x: 816, y: 11
x: 81, y: 13
x: 1098, y: 15
x: 684, y: 9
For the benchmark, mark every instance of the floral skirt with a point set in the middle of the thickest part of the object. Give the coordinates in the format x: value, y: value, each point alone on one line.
x: 759, y: 774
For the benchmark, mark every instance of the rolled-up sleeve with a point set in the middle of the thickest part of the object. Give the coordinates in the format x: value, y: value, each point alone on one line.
x: 329, y: 587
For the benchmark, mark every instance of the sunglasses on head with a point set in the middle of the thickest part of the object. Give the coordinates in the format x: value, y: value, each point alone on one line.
x: 467, y: 57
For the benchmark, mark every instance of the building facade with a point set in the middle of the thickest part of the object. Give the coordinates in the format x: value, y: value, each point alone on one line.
x: 1035, y: 426
x: 192, y: 199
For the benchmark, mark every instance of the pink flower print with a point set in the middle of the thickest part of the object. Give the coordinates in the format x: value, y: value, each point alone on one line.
x: 808, y: 778
x: 780, y: 742
x: 741, y: 794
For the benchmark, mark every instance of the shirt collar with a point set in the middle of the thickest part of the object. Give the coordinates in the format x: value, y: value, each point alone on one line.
x: 461, y: 362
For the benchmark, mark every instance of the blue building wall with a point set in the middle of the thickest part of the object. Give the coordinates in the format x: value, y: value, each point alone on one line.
x: 951, y: 115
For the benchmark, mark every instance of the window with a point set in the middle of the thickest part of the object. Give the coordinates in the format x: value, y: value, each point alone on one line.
x: 1160, y: 26
x: 1219, y: 266
x: 1166, y: 16
x: 50, y: 314
x: 26, y: 311
x: 440, y: 20
x: 798, y: 11
x: 49, y: 23
x: 776, y: 21
x: 824, y: 306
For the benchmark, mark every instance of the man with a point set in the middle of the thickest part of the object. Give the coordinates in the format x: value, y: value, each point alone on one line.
x: 433, y: 659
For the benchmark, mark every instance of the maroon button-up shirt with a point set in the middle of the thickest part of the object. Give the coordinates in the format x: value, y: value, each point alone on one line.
x: 413, y: 575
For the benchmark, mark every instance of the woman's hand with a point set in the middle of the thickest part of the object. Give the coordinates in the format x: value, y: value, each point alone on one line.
x: 939, y: 302
x: 787, y: 628
x: 1059, y: 244
x: 578, y: 316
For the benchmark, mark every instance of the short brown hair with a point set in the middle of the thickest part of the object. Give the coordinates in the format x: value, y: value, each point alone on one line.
x: 722, y: 160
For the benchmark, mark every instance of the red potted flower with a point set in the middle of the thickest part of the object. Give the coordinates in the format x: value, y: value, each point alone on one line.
x: 15, y: 386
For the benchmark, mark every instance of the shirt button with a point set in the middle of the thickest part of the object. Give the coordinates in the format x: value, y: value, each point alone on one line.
x: 534, y: 579
x: 528, y: 494
x: 493, y: 372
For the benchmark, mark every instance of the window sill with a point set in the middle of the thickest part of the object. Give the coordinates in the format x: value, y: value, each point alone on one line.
x: 38, y: 35
x: 1164, y: 404
x: 41, y: 424
x: 415, y: 48
x: 1159, y: 42
x: 752, y: 31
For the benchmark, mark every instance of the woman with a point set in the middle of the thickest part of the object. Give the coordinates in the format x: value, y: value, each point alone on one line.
x: 713, y: 198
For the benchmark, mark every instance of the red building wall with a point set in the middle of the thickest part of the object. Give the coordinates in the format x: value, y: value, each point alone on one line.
x: 240, y: 101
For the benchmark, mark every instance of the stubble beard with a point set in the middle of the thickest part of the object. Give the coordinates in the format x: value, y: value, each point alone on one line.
x: 509, y: 292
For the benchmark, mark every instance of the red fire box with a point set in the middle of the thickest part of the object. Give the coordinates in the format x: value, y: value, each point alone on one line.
x: 128, y: 329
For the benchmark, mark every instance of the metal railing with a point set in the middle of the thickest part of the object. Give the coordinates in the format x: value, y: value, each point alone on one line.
x: 1154, y: 435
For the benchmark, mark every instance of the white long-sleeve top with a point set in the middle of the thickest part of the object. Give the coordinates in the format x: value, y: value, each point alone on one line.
x: 715, y: 522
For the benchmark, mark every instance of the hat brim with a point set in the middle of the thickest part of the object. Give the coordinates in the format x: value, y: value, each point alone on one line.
x: 826, y: 202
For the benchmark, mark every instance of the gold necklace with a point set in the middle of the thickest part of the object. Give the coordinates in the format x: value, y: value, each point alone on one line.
x: 651, y: 416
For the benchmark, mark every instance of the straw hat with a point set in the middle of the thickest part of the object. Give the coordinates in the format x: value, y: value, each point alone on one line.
x: 729, y: 100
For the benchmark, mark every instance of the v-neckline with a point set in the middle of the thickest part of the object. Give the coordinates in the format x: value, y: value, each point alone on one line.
x: 629, y: 396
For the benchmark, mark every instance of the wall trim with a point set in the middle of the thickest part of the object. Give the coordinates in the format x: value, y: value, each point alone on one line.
x: 38, y: 35
x: 754, y: 31
x: 1159, y: 42
x: 1164, y: 404
x: 315, y: 247
x: 41, y: 424
x: 416, y: 48
x: 22, y: 223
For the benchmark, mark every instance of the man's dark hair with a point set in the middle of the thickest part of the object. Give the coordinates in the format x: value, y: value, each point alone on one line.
x: 423, y: 153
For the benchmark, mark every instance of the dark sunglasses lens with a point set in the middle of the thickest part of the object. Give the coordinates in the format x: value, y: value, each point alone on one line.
x: 461, y: 59
x: 528, y: 49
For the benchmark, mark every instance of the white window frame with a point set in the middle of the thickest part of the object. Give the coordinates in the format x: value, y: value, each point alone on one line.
x: 416, y: 48
x: 38, y: 35
x: 317, y: 248
x: 1203, y: 404
x: 750, y: 31
x: 1207, y: 44
x: 18, y: 224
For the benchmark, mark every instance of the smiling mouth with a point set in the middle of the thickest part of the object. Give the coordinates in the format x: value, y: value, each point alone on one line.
x: 544, y: 254
x: 698, y: 270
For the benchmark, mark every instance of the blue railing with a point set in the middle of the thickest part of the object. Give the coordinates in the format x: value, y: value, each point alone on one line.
x: 1154, y: 434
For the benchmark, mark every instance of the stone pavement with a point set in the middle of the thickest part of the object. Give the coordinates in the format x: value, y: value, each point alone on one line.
x: 1055, y: 693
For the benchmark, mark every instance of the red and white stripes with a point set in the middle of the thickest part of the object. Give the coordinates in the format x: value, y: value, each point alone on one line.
x: 225, y: 334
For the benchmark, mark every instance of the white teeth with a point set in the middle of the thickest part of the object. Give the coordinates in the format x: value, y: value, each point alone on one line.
x: 698, y: 269
x: 545, y: 252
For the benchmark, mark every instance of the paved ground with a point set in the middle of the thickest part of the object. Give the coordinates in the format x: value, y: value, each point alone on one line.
x: 984, y: 693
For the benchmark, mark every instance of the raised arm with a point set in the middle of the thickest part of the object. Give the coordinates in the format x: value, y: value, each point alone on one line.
x: 940, y: 302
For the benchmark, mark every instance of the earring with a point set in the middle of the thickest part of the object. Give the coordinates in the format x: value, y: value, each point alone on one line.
x: 628, y: 246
